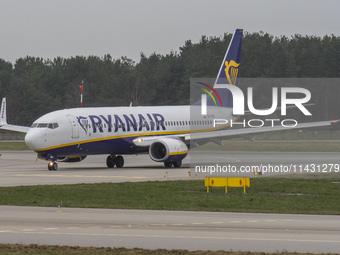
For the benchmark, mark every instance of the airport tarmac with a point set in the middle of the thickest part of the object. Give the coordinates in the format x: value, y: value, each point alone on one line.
x: 161, y: 229
x: 21, y: 167
x: 170, y: 229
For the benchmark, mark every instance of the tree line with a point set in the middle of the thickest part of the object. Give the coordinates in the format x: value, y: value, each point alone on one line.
x: 34, y: 86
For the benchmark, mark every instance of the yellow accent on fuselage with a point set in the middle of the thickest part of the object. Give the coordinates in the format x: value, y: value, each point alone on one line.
x: 132, y: 135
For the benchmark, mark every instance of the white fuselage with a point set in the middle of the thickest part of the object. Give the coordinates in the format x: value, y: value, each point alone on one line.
x: 111, y: 130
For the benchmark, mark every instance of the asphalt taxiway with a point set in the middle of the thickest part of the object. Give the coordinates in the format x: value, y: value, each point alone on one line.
x: 161, y: 229
x: 170, y: 229
x: 22, y: 168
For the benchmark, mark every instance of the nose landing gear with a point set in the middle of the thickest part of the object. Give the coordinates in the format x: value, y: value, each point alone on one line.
x: 52, y: 166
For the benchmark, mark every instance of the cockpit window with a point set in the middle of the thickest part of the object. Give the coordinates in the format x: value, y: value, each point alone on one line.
x: 53, y: 125
x: 45, y: 125
x: 42, y: 125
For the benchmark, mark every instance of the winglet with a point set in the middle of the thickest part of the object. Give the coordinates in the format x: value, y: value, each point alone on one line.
x: 3, y: 120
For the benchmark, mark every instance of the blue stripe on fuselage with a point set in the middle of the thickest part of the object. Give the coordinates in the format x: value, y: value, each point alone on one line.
x: 109, y: 146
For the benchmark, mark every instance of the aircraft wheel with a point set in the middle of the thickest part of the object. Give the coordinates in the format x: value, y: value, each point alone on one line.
x: 55, y: 166
x: 52, y: 166
x: 168, y: 164
x: 110, y: 161
x: 119, y: 161
x: 177, y: 163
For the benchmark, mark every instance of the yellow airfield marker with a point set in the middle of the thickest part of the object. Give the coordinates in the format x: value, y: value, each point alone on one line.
x: 59, y: 206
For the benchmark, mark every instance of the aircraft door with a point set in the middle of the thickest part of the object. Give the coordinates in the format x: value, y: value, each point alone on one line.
x: 75, y: 128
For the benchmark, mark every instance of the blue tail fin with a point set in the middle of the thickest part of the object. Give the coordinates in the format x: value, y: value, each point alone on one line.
x: 229, y: 70
x: 228, y: 74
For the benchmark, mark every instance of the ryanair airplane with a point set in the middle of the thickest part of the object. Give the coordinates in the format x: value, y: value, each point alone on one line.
x: 164, y: 132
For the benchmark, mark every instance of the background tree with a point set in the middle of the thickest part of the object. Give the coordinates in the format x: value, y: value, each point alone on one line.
x: 35, y: 86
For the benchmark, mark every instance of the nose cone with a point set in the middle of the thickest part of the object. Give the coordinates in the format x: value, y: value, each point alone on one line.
x: 34, y: 139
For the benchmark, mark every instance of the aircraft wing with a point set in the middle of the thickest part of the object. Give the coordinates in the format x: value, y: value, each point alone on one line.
x: 224, y: 134
x: 3, y: 121
x: 21, y: 129
x: 218, y: 136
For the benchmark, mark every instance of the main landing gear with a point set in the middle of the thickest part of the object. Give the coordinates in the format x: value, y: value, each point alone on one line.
x: 52, y: 166
x: 113, y: 160
x: 118, y: 161
x: 175, y: 164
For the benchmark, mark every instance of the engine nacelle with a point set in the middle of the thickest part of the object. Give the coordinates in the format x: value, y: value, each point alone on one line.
x: 168, y: 149
x: 71, y: 159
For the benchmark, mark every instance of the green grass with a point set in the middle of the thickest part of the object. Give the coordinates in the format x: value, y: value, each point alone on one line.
x: 7, y: 249
x: 266, y: 195
x: 13, y: 146
x: 269, y: 195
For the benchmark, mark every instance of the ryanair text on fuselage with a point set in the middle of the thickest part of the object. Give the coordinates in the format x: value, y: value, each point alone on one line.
x: 125, y: 122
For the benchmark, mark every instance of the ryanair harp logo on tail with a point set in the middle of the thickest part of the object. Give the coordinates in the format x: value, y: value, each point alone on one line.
x: 231, y: 71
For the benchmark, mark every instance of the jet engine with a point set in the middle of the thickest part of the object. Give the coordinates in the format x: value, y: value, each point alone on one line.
x: 168, y: 150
